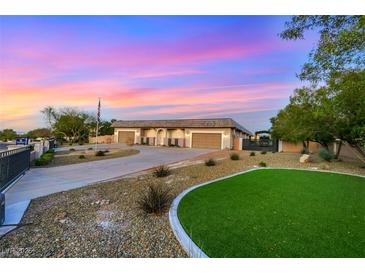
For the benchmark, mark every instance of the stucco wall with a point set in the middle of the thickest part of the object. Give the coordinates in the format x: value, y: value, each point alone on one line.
x: 175, y: 133
x: 105, y: 139
x: 227, y: 134
x: 298, y: 147
x: 149, y: 133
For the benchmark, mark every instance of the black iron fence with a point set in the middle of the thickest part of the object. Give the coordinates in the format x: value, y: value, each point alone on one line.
x: 260, y: 145
x: 13, y: 163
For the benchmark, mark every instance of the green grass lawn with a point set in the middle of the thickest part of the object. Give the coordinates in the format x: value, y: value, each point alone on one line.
x: 278, y: 213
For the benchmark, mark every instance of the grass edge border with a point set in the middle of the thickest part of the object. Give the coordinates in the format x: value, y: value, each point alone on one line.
x: 191, y: 249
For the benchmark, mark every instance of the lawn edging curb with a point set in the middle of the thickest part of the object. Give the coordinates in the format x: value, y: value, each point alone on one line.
x: 185, y: 240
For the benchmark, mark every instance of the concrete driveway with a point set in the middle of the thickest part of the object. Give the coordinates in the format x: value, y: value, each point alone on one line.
x: 39, y: 182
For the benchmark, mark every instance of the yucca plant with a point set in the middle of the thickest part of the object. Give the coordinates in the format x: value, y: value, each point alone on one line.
x: 161, y: 171
x: 156, y: 199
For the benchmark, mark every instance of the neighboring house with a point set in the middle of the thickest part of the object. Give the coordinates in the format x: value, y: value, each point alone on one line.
x: 193, y: 133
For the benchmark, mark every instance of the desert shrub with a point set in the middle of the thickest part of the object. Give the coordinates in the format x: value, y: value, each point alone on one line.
x: 325, y: 154
x: 304, y: 151
x: 156, y: 199
x: 210, y: 162
x: 161, y: 171
x: 235, y: 157
x: 262, y: 164
x: 45, y: 159
x: 99, y: 153
x: 40, y: 162
x: 72, y: 149
x: 82, y: 157
x: 90, y: 148
x: 252, y: 153
x: 263, y: 152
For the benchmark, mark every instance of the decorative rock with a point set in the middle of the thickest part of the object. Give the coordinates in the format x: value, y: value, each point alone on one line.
x: 305, y: 158
x: 60, y: 217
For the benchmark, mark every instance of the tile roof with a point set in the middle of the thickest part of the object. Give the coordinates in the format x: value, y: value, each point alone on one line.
x: 182, y: 123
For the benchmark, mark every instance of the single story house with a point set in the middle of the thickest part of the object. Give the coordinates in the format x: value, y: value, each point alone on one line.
x: 218, y: 133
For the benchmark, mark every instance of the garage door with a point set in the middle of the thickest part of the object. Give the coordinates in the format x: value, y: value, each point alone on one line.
x: 126, y: 137
x: 207, y: 140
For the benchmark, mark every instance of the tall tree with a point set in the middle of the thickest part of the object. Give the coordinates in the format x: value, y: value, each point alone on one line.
x: 304, y: 119
x: 341, y: 44
x: 72, y: 124
x: 50, y: 115
x: 39, y: 133
x: 347, y: 91
x: 7, y: 134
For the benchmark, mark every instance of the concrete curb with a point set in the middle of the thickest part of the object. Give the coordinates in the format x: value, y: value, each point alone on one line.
x: 184, y: 239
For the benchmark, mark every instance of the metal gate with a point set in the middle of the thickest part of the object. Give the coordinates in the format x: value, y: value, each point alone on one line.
x: 13, y: 163
x: 260, y: 145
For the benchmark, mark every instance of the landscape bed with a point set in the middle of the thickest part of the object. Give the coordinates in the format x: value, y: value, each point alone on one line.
x: 278, y: 213
x: 63, y: 158
x: 103, y: 220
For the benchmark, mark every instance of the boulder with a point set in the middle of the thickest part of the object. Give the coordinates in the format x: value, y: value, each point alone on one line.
x: 305, y: 158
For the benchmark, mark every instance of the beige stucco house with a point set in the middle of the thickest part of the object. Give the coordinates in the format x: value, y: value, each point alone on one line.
x: 192, y: 133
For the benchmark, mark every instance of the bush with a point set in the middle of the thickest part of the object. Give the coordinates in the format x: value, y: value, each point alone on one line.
x: 210, y: 162
x: 263, y: 152
x: 262, y: 164
x: 90, y: 148
x: 252, y: 153
x: 45, y: 159
x: 40, y: 162
x: 72, y: 149
x: 156, y: 199
x: 99, y: 153
x: 161, y: 171
x: 106, y: 151
x: 82, y: 157
x: 325, y: 154
x: 235, y: 157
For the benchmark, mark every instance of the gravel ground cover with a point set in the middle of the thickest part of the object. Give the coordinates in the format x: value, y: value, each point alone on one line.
x: 63, y: 158
x: 103, y: 220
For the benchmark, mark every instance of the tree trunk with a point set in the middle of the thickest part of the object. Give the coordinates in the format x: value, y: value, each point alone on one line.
x: 338, y: 150
x: 305, y: 145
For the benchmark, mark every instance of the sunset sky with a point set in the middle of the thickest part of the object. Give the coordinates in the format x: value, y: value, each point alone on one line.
x: 152, y: 67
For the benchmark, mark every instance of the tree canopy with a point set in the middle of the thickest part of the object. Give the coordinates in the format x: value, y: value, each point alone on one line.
x: 39, y: 133
x: 334, y: 111
x: 7, y: 134
x: 341, y: 44
x: 74, y: 125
